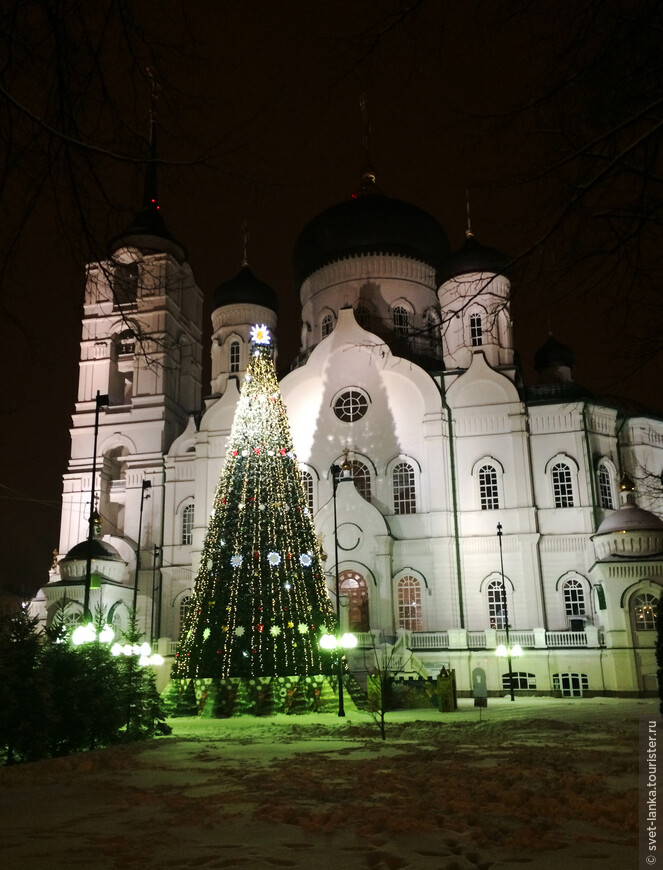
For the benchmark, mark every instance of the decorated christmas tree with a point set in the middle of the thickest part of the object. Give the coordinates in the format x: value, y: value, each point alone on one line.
x: 260, y: 603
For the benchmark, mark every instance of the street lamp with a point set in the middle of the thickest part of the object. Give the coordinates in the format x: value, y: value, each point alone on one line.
x: 100, y: 402
x: 146, y: 485
x: 339, y: 475
x: 506, y: 649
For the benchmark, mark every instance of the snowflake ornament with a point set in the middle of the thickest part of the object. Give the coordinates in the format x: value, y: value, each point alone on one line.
x: 305, y: 560
x: 275, y: 630
x: 302, y: 628
x: 236, y: 560
x: 239, y: 631
x: 260, y: 334
x: 206, y: 633
x: 274, y: 559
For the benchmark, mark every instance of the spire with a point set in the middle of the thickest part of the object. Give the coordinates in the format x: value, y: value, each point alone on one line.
x: 367, y: 185
x: 468, y: 232
x: 148, y: 231
x: 150, y: 200
x: 245, y: 235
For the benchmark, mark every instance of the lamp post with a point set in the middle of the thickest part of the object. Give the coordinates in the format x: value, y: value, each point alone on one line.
x: 339, y: 475
x: 506, y: 650
x: 100, y: 402
x: 146, y: 485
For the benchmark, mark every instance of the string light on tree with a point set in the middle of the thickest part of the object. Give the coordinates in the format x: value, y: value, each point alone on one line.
x: 260, y: 602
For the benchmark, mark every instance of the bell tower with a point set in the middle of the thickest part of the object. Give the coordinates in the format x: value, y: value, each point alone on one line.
x: 141, y: 349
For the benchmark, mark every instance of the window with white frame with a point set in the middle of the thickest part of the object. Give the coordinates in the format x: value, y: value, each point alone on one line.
x: 307, y: 483
x: 327, y: 325
x: 476, y: 330
x: 405, y: 500
x: 521, y: 680
x: 570, y: 685
x: 644, y: 609
x: 496, y: 605
x: 488, y: 491
x: 606, y: 491
x: 361, y: 477
x: 402, y: 323
x: 186, y: 537
x: 351, y: 405
x: 409, y: 604
x: 574, y: 597
x: 562, y: 484
x: 234, y: 356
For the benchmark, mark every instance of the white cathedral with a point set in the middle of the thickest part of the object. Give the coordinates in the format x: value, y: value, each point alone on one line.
x: 406, y: 374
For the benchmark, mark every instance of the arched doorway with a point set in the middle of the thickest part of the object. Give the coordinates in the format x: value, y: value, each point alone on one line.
x: 353, y: 587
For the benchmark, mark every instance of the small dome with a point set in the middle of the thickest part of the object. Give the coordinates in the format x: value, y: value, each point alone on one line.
x: 98, y: 550
x: 553, y: 353
x: 472, y: 257
x: 245, y: 287
x: 630, y: 532
x: 630, y: 518
x: 368, y: 223
x: 148, y: 232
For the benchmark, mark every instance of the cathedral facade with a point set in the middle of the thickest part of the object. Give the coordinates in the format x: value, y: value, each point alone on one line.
x: 475, y: 515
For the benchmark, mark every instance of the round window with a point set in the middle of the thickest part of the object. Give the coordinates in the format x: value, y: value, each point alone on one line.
x: 351, y: 405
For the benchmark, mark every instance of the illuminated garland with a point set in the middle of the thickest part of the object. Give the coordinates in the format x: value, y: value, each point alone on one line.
x: 260, y: 602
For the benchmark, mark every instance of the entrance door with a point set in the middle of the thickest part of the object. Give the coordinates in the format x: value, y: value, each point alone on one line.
x: 352, y: 586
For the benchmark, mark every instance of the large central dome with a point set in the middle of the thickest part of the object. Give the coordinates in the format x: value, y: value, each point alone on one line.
x: 369, y: 223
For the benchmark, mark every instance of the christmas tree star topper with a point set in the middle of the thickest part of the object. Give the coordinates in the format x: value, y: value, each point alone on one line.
x: 260, y: 334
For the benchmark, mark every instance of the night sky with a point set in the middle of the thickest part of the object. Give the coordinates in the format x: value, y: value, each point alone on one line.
x: 259, y: 122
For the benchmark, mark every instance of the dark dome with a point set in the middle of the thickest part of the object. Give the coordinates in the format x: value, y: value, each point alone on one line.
x: 472, y: 257
x: 148, y: 232
x: 245, y: 287
x: 368, y: 224
x: 98, y: 550
x: 553, y: 353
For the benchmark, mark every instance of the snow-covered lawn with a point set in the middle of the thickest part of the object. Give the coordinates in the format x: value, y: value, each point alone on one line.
x: 538, y: 783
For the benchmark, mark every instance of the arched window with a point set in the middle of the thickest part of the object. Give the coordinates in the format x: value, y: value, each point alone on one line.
x: 307, y: 483
x: 362, y: 478
x: 125, y: 285
x: 644, y: 609
x: 186, y: 537
x: 185, y: 603
x: 570, y: 685
x: 409, y: 604
x: 363, y: 316
x: 431, y: 330
x: 574, y: 598
x: 352, y: 586
x: 496, y: 605
x: 327, y: 325
x: 606, y: 496
x: 234, y: 356
x: 401, y: 321
x: 562, y: 484
x: 476, y: 330
x: 488, y: 492
x: 405, y: 501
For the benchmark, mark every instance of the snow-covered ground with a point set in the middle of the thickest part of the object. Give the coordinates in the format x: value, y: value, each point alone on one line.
x: 538, y: 783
